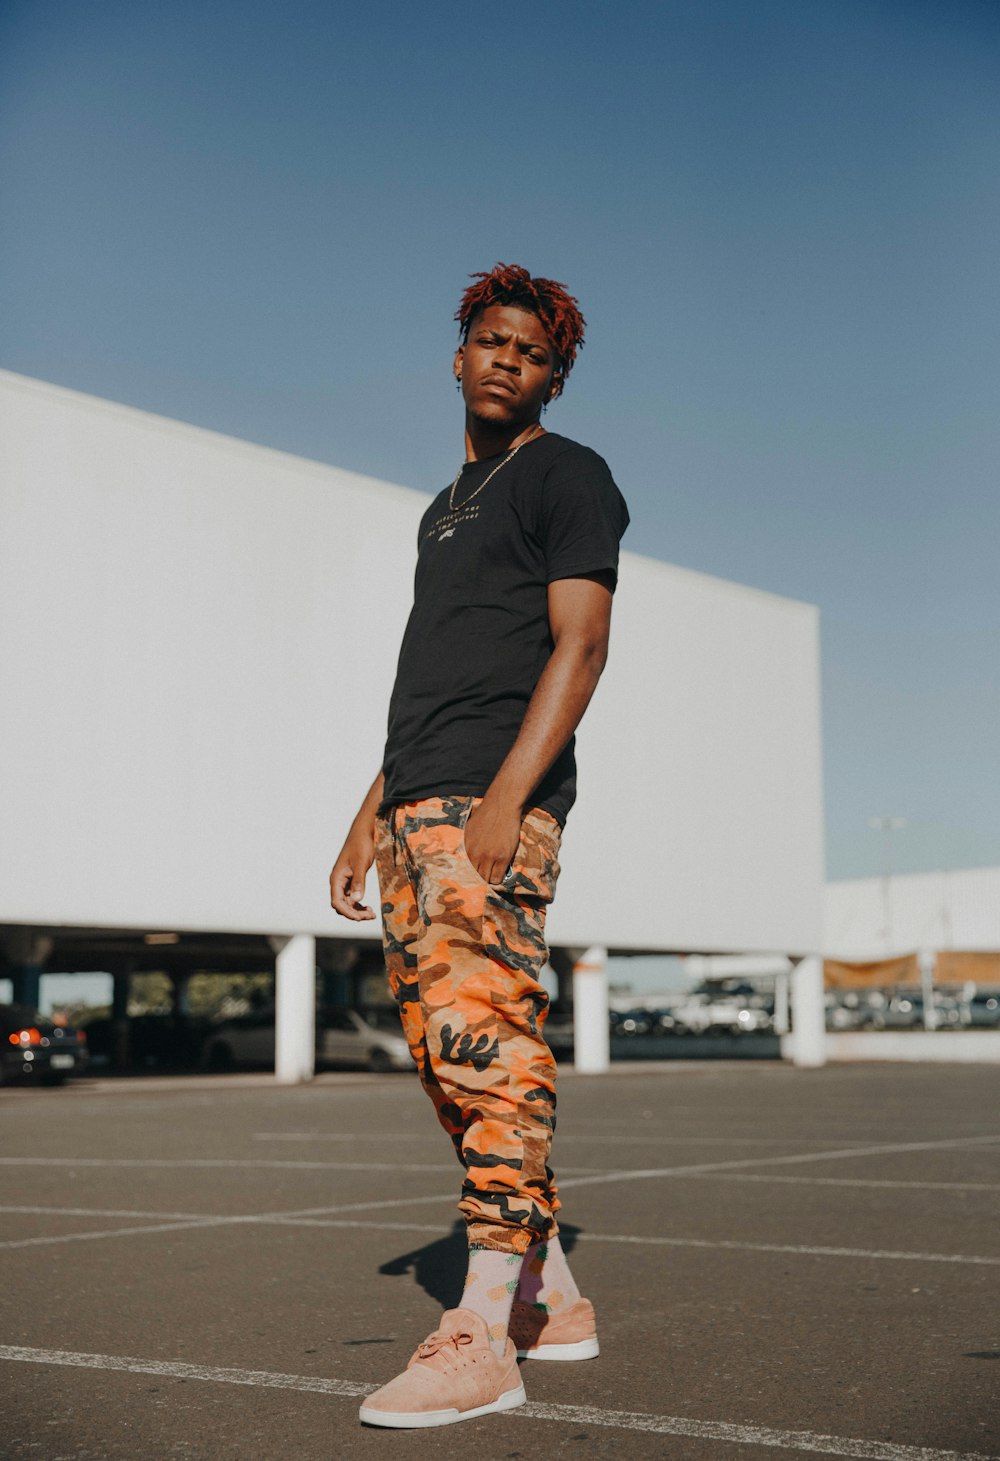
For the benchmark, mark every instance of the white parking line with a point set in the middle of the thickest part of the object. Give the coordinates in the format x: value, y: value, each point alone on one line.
x: 842, y: 1154
x: 654, y: 1137
x: 202, y: 1220
x: 767, y: 1178
x: 123, y: 1212
x: 178, y: 1370
x: 772, y: 1177
x: 738, y: 1139
x: 228, y: 1163
x: 809, y: 1250
x: 591, y: 1177
x: 302, y: 1216
x: 737, y: 1245
x: 364, y: 1136
x: 624, y: 1420
x: 123, y: 1232
x: 250, y: 1164
x: 320, y: 1219
x: 692, y: 1170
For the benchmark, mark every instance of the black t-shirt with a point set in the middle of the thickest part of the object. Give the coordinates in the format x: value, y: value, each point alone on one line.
x: 478, y: 635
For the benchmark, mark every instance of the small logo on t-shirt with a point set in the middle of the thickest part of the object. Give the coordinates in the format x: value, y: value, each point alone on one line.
x: 446, y: 525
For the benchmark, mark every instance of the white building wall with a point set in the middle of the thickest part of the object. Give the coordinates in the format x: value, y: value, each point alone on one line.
x: 876, y: 918
x: 700, y: 810
x: 199, y: 638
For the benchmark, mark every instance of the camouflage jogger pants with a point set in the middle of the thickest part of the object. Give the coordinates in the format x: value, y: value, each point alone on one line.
x: 463, y: 958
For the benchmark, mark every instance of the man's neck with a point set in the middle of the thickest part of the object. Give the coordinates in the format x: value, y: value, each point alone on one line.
x: 483, y: 440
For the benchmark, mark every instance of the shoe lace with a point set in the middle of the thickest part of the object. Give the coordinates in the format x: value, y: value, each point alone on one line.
x: 448, y: 1346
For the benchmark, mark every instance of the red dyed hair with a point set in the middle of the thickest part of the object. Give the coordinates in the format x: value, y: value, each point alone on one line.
x: 550, y: 301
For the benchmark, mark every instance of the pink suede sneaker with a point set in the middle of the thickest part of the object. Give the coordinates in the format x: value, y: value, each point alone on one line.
x: 571, y: 1335
x: 454, y: 1375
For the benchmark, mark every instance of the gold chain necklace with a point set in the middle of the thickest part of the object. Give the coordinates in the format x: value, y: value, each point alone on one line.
x: 512, y: 453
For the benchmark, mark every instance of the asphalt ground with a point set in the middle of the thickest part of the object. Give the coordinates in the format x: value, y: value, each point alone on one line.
x: 783, y: 1262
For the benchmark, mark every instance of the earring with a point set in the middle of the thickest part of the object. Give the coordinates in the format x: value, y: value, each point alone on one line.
x: 545, y: 408
x: 458, y: 383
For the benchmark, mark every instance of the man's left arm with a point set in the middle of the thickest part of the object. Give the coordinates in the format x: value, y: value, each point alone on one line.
x: 580, y: 621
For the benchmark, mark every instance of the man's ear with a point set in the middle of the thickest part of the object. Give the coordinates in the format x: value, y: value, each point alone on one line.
x: 555, y: 385
x: 459, y: 360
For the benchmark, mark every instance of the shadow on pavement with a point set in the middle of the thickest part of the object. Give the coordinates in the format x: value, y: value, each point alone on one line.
x: 439, y: 1266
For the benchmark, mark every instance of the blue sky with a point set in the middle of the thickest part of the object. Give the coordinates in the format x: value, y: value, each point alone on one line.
x: 780, y: 217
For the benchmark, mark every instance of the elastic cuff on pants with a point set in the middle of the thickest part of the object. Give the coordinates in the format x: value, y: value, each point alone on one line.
x: 501, y: 1237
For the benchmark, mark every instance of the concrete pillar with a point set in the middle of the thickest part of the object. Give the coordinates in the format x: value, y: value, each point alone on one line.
x: 27, y: 985
x: 335, y: 961
x: 591, y: 1031
x: 26, y: 952
x: 356, y: 988
x: 369, y: 980
x: 927, y: 962
x: 561, y: 963
x: 180, y: 982
x: 782, y: 1022
x: 121, y: 979
x: 295, y: 1008
x: 336, y: 988
x: 807, y: 1042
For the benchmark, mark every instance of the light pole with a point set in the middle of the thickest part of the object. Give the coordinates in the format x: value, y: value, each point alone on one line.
x: 887, y: 825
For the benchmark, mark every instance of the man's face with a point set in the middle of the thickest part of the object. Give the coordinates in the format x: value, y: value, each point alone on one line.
x: 507, y: 366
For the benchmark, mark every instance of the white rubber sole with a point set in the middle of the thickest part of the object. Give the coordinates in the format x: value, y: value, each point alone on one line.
x: 584, y: 1349
x: 415, y: 1419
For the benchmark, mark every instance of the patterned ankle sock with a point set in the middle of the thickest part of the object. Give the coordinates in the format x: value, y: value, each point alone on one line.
x: 490, y: 1287
x: 546, y: 1282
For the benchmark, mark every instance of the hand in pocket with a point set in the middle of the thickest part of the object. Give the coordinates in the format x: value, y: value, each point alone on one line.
x: 492, y: 835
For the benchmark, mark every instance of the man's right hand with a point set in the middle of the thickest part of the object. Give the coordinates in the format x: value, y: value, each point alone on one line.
x: 347, y: 880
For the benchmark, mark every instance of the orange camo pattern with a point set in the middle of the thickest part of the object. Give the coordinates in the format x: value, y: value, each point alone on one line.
x: 463, y: 958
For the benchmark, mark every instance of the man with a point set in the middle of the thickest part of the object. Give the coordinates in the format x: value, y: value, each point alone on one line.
x: 508, y: 636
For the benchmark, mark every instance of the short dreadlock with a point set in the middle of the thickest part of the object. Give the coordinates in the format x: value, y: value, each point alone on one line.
x: 549, y: 300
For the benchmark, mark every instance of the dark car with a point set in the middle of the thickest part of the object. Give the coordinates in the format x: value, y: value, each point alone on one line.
x: 146, y: 1042
x: 628, y: 1023
x: 35, y: 1048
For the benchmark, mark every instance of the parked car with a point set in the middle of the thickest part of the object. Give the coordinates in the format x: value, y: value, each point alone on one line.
x: 948, y: 1011
x: 35, y: 1048
x: 665, y: 1022
x: 982, y: 1009
x: 847, y: 1010
x: 628, y: 1023
x: 560, y: 1036
x: 902, y: 1012
x: 729, y: 1015
x: 689, y: 1015
x: 346, y: 1038
x: 704, y: 1013
x: 152, y: 1042
x: 343, y: 1037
